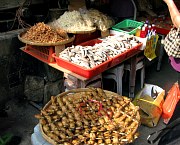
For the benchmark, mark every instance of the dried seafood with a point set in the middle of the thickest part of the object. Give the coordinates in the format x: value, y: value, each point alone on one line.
x: 42, y: 33
x: 100, y: 20
x: 89, y: 117
x: 115, y: 45
x: 91, y: 56
x: 85, y: 56
x: 72, y: 21
x: 87, y: 20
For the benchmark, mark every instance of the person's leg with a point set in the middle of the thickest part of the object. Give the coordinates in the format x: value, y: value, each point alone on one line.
x: 178, y: 76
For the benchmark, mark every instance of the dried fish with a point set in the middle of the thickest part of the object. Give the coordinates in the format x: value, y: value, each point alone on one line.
x: 53, y: 136
x: 92, y: 117
x: 46, y: 128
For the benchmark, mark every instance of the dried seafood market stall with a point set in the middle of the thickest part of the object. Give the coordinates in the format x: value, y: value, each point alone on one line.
x: 89, y: 116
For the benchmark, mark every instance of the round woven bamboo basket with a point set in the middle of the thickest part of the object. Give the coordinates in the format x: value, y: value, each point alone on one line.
x: 81, y: 32
x: 65, y: 41
x: 76, y: 93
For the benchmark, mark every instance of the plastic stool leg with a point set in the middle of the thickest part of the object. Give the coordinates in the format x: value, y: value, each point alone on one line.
x: 132, y: 77
x: 119, y: 87
x: 119, y: 71
x: 95, y: 81
x: 119, y: 82
x: 82, y: 84
x: 116, y: 74
x: 142, y: 77
x: 160, y: 54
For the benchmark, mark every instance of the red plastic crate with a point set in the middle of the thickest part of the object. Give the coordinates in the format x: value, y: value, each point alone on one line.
x: 121, y: 57
x: 118, y: 59
x: 43, y: 53
x: 87, y: 73
x: 133, y: 50
x: 162, y: 31
x: 80, y: 38
x: 91, y: 42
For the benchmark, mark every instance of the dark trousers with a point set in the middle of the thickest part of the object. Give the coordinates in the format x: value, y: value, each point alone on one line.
x: 178, y: 76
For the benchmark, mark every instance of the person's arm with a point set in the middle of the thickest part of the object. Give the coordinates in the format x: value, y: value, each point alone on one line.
x: 174, y: 13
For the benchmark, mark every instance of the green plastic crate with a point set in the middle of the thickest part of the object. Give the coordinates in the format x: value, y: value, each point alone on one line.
x: 127, y: 26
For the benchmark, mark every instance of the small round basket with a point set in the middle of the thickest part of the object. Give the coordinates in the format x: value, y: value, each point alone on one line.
x: 65, y: 41
x: 89, y: 116
x: 82, y: 32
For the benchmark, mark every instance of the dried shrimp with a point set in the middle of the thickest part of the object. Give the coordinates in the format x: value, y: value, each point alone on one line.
x: 42, y: 33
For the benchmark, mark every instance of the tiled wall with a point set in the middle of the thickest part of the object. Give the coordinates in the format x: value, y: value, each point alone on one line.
x: 16, y: 65
x: 9, y: 65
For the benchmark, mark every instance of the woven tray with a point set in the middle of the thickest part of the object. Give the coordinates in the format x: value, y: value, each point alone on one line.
x: 81, y: 32
x: 106, y: 126
x: 65, y: 41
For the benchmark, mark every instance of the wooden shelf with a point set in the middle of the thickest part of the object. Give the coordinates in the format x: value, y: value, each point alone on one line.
x: 54, y: 65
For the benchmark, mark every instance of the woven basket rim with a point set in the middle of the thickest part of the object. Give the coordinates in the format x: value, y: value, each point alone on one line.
x: 78, y: 91
x: 81, y: 32
x: 65, y: 41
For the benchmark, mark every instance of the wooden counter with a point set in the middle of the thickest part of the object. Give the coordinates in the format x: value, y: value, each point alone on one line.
x: 54, y: 65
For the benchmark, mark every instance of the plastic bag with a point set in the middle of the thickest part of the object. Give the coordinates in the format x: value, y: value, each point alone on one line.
x: 150, y: 48
x: 167, y: 136
x: 102, y: 22
x: 150, y: 100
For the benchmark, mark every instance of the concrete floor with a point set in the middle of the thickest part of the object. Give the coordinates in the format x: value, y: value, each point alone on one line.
x: 21, y: 121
